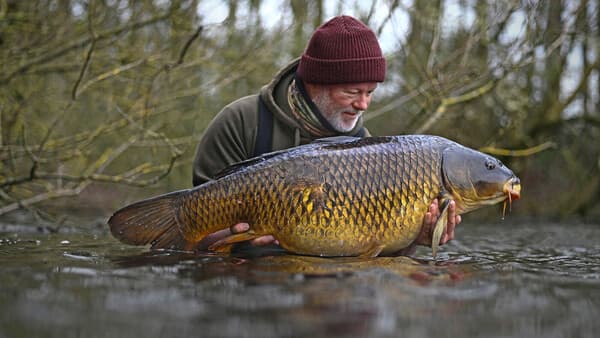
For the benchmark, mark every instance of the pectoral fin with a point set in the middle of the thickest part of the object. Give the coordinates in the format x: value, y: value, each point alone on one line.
x: 439, y: 229
x: 224, y: 245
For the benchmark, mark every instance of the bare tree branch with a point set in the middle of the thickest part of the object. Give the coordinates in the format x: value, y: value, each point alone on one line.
x: 518, y: 152
x: 454, y: 100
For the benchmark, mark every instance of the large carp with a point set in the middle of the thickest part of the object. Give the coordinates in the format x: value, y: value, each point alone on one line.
x: 339, y: 196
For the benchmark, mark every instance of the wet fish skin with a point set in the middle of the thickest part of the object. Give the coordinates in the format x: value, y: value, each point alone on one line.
x: 337, y: 197
x: 328, y: 199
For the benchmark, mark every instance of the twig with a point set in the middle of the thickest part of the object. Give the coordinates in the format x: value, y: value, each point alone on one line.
x: 114, y: 72
x: 433, y: 50
x: 39, y: 198
x: 173, y: 148
x: 84, y: 68
x: 450, y: 101
x: 88, y: 57
x: 391, y: 11
x: 188, y: 43
x: 520, y: 152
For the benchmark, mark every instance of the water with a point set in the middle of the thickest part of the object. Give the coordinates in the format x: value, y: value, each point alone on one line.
x: 495, y: 280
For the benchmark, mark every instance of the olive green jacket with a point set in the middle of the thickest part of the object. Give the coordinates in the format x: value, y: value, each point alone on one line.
x: 231, y: 135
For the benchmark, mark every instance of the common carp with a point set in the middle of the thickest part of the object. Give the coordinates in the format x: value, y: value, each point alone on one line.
x: 338, y: 196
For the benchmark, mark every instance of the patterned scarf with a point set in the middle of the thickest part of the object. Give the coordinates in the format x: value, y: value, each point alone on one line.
x: 306, y: 113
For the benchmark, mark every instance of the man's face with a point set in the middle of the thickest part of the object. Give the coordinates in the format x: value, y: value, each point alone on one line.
x: 342, y: 104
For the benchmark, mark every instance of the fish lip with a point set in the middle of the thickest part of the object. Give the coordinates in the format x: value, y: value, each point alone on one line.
x: 512, y: 188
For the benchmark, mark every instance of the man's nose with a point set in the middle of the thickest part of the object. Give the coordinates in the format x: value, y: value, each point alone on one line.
x: 362, y: 102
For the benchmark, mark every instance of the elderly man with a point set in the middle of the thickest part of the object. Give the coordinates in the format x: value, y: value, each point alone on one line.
x: 323, y: 93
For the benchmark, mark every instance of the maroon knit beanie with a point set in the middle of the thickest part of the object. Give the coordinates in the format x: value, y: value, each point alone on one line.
x: 342, y: 50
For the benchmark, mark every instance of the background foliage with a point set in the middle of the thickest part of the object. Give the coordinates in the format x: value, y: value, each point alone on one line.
x: 102, y: 102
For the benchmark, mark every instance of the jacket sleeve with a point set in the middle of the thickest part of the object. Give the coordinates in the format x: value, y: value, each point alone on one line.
x: 228, y: 139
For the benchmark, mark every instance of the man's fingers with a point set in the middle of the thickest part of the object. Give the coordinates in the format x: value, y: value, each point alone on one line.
x: 428, y: 221
x: 240, y: 227
x: 260, y: 241
x: 453, y: 220
x: 235, y: 229
x: 452, y: 213
x: 263, y: 240
x: 431, y: 215
x: 434, y: 209
x: 457, y: 220
x: 212, y: 238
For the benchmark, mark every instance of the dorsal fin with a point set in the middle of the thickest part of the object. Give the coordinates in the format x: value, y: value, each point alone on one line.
x: 347, y: 142
x: 334, y: 142
x: 246, y: 163
x: 336, y: 139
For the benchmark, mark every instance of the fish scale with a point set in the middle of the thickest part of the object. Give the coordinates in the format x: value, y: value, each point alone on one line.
x: 336, y: 197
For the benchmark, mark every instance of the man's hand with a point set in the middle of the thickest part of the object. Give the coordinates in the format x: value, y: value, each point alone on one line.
x: 260, y: 241
x: 429, y: 221
x: 235, y: 229
x: 431, y: 217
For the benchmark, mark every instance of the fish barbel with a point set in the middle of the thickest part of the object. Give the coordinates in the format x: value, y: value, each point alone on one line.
x: 339, y: 196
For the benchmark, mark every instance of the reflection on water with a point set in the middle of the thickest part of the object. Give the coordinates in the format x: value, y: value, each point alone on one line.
x: 496, y: 280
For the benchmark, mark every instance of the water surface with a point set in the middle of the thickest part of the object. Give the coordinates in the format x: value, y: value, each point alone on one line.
x: 495, y: 280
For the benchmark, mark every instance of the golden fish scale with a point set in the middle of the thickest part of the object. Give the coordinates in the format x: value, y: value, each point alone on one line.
x: 340, y: 201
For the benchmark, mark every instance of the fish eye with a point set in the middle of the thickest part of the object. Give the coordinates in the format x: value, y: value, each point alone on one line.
x: 490, y: 164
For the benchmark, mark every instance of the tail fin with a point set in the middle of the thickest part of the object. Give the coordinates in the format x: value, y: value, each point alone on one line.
x: 151, y: 221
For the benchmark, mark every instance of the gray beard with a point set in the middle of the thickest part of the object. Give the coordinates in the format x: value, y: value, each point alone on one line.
x: 333, y: 116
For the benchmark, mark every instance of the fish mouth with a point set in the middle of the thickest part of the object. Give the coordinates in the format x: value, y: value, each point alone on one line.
x: 512, y: 189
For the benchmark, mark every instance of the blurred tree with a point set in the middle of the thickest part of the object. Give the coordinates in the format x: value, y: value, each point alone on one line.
x: 100, y: 97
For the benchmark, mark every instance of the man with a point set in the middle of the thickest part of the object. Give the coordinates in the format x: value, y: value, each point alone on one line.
x: 323, y: 93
